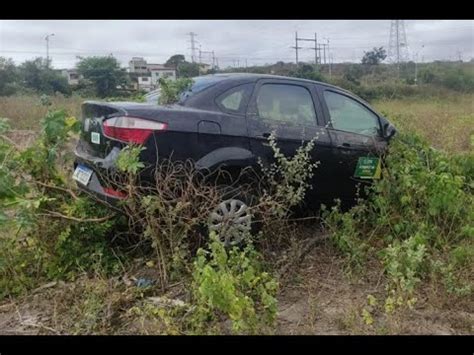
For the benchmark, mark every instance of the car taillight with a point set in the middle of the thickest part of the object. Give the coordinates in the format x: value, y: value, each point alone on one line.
x: 131, y: 129
x: 115, y: 193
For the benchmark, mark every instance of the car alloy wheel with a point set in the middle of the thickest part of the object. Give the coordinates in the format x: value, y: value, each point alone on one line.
x: 231, y: 220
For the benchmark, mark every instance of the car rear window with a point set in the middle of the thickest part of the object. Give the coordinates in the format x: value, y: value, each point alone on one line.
x: 200, y: 83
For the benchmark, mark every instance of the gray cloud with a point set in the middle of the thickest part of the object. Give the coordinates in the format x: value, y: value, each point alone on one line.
x: 256, y: 41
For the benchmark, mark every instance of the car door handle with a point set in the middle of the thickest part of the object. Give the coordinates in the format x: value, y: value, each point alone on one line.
x: 344, y: 145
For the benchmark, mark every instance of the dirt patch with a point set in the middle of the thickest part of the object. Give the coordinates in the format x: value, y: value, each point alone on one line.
x: 22, y: 138
x: 323, y: 299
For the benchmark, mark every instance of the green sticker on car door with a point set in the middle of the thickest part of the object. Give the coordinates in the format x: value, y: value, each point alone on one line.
x: 368, y: 168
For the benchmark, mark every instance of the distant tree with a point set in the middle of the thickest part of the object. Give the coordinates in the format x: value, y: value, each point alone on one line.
x: 104, y: 74
x: 307, y: 71
x: 188, y: 70
x: 37, y: 75
x: 175, y: 60
x: 374, y: 57
x: 8, y: 76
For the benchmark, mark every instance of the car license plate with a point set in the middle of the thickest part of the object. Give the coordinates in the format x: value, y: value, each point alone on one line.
x: 82, y: 174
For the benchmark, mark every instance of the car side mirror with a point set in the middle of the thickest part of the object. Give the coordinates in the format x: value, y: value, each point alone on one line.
x: 388, y: 131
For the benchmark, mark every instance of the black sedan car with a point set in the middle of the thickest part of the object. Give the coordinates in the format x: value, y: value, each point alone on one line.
x: 226, y: 119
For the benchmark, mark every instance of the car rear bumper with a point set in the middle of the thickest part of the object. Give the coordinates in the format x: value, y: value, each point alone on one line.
x: 94, y: 187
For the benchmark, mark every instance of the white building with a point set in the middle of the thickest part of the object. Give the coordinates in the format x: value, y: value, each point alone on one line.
x: 137, y: 65
x: 147, y: 75
x: 144, y: 83
x: 157, y: 74
x: 71, y: 75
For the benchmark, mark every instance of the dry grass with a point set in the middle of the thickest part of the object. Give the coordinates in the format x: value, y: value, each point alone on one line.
x: 447, y: 122
x: 25, y: 112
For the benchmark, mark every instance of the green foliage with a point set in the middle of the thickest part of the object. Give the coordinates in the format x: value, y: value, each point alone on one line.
x: 307, y: 71
x: 188, y: 70
x: 353, y: 73
x: 82, y: 246
x: 175, y: 60
x: 230, y: 284
x: 38, y: 76
x: 374, y: 57
x: 128, y: 160
x: 346, y: 235
x: 103, y: 74
x: 8, y: 76
x: 172, y: 89
x: 422, y: 208
x: 40, y: 160
x: 455, y: 77
x: 403, y: 263
x: 48, y: 233
x: 287, y: 178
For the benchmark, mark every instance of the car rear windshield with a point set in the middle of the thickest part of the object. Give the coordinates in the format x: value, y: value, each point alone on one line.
x: 199, y: 84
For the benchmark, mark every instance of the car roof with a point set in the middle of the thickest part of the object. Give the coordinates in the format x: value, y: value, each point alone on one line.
x: 255, y: 77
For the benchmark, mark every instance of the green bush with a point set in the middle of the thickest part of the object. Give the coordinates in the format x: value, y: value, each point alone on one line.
x: 423, y: 207
x: 47, y: 231
x: 231, y: 284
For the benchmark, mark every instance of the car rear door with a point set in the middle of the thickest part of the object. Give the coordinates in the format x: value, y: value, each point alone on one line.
x: 291, y: 110
x: 355, y: 132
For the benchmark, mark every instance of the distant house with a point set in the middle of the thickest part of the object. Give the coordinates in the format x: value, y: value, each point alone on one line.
x: 137, y: 65
x: 144, y: 83
x: 147, y: 75
x: 163, y: 72
x: 204, y: 68
x: 71, y: 75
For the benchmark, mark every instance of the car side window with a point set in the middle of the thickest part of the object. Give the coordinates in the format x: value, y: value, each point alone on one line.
x: 235, y: 100
x: 348, y: 115
x: 287, y: 104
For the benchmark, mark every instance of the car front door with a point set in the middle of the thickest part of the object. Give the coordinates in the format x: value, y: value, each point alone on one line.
x: 287, y: 108
x: 355, y: 133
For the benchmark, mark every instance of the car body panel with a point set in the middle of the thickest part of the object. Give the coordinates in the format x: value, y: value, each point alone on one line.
x: 199, y: 128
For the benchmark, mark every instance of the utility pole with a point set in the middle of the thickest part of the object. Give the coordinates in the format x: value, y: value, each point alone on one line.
x: 324, y: 53
x: 329, y: 59
x: 47, y: 49
x: 315, y: 40
x: 193, y: 46
x: 296, y: 46
x: 316, y: 49
x: 416, y: 67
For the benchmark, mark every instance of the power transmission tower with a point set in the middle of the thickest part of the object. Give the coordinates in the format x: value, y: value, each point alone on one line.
x: 398, y: 45
x: 193, y: 46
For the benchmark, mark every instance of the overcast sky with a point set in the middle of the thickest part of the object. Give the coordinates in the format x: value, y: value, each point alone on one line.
x: 254, y: 41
